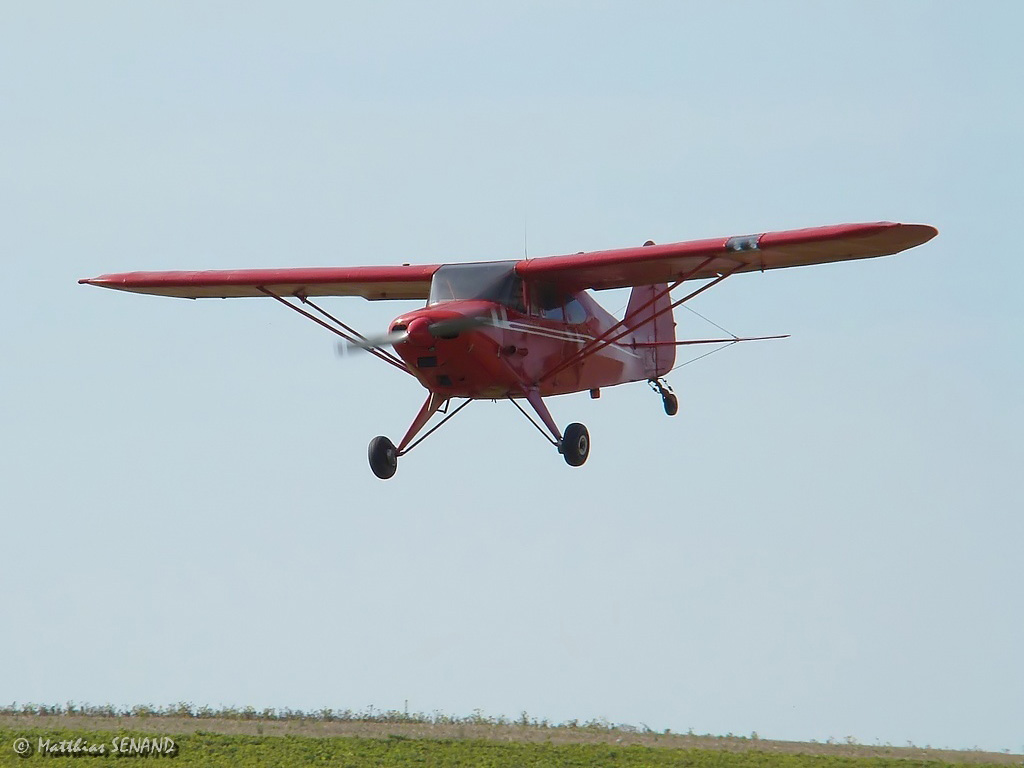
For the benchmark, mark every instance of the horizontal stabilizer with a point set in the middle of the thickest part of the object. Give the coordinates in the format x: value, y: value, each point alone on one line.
x: 731, y: 340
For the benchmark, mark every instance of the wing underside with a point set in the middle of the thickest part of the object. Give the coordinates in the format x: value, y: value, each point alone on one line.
x: 374, y: 283
x: 647, y: 265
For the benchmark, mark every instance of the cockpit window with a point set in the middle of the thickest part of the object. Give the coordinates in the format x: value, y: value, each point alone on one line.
x: 494, y: 281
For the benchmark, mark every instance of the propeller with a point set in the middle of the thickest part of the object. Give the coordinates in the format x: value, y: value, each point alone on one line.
x: 370, y: 342
x: 420, y: 330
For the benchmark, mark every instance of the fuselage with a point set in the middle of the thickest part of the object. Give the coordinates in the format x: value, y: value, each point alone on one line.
x: 494, y: 338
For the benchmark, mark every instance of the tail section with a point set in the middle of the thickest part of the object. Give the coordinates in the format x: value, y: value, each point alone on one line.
x: 649, y: 316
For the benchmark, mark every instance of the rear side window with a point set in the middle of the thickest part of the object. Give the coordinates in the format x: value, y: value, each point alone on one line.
x: 574, y: 312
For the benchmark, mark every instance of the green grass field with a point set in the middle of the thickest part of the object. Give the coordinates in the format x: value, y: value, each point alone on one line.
x: 215, y: 750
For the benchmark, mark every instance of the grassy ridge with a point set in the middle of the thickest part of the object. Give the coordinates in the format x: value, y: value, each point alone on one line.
x: 224, y: 751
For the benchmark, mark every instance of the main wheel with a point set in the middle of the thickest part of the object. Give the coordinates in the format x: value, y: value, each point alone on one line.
x: 671, y: 403
x: 575, y: 445
x: 383, y: 457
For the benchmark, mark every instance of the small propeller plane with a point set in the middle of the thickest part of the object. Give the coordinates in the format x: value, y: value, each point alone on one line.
x: 529, y: 329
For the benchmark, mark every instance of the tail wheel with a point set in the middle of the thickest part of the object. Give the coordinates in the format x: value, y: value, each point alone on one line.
x: 668, y: 400
x: 671, y: 403
x: 383, y: 457
x: 575, y: 445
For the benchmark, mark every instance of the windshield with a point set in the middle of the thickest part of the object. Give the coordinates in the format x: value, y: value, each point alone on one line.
x: 492, y: 281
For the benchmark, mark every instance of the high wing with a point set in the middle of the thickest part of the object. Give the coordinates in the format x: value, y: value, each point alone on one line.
x: 384, y: 282
x: 646, y: 265
x: 703, y: 259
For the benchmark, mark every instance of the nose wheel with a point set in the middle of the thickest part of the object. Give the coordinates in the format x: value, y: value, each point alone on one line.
x: 668, y: 399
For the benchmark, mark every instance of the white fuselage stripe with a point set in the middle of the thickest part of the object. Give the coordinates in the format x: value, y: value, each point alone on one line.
x: 552, y: 333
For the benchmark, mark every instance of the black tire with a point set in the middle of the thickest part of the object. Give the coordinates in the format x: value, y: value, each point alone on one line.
x: 575, y: 445
x: 671, y: 403
x: 383, y: 457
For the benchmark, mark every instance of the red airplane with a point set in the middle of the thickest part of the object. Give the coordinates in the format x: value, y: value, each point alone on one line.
x: 529, y: 329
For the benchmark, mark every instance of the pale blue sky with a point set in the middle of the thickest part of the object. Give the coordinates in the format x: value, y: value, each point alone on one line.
x: 825, y: 542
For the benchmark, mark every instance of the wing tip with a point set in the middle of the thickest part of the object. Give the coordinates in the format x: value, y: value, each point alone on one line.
x: 918, y: 233
x: 104, y: 281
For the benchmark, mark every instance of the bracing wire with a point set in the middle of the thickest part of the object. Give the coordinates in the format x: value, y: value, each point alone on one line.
x: 706, y: 354
x: 698, y: 314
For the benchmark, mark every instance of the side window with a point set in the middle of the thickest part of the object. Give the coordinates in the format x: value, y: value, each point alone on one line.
x: 546, y: 301
x: 574, y: 312
x: 554, y: 313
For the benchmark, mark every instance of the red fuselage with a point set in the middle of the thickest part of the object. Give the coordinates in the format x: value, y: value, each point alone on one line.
x: 511, y: 351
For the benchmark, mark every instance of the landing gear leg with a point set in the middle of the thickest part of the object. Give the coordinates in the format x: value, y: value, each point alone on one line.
x: 382, y: 453
x: 574, y: 445
x: 668, y: 399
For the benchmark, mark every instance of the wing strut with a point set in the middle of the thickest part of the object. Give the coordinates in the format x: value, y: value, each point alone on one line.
x: 362, y: 340
x: 607, y: 339
x: 347, y: 333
